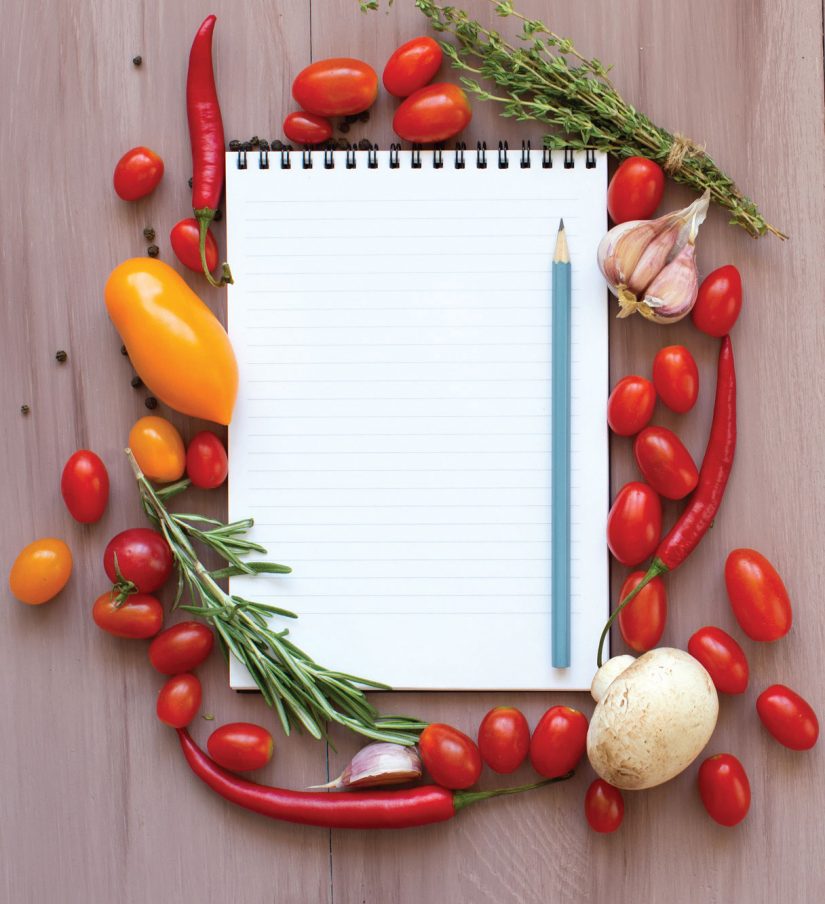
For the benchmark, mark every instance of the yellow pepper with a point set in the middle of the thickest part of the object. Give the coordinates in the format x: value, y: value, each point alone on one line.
x: 175, y: 343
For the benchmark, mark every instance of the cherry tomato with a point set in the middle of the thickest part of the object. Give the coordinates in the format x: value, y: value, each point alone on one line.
x: 85, y: 486
x: 722, y: 657
x: 757, y: 595
x: 179, y: 701
x: 181, y: 648
x: 138, y: 618
x: 636, y: 190
x: 40, y: 571
x: 634, y: 523
x: 630, y: 406
x: 789, y: 718
x: 206, y: 463
x: 451, y: 758
x: 559, y: 741
x: 603, y: 806
x: 137, y: 173
x: 665, y: 463
x: 185, y: 241
x: 724, y: 789
x: 504, y: 739
x: 336, y: 87
x: 676, y: 378
x: 412, y: 66
x: 143, y: 558
x: 307, y: 128
x: 719, y: 301
x: 240, y: 746
x: 642, y: 620
x: 158, y: 449
x: 432, y: 114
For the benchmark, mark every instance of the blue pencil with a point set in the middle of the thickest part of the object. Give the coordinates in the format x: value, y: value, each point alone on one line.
x: 560, y: 464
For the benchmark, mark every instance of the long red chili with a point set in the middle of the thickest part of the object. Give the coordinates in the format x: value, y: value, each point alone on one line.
x: 698, y: 516
x: 206, y: 136
x: 346, y: 810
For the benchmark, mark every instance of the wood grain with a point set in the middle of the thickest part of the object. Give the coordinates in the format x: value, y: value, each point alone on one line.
x: 97, y: 805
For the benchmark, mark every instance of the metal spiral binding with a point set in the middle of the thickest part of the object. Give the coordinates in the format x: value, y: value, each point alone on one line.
x: 394, y: 149
x: 306, y: 158
x: 415, y: 157
x: 241, y: 159
x: 546, y: 158
x: 438, y: 157
x: 263, y: 159
x: 285, y: 161
x: 503, y: 155
x: 568, y: 158
x: 525, y: 154
x: 590, y: 159
x: 351, y: 161
x: 372, y: 157
x: 460, y: 148
x: 329, y: 159
x: 481, y: 154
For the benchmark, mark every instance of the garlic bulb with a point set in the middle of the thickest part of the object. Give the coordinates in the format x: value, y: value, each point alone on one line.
x: 379, y: 764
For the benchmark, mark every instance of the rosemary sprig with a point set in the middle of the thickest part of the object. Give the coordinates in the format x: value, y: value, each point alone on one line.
x: 303, y: 693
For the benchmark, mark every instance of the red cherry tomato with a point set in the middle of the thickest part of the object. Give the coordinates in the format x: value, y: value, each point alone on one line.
x: 336, y: 87
x: 85, y: 486
x: 432, y: 114
x: 723, y: 658
x: 665, y: 463
x: 451, y: 758
x: 307, y: 128
x: 559, y: 741
x: 504, y: 739
x: 725, y: 789
x: 636, y: 190
x: 206, y: 462
x: 603, y: 806
x: 634, y: 523
x: 676, y: 378
x: 137, y: 173
x: 181, y: 648
x: 630, y: 406
x: 788, y: 717
x: 719, y: 301
x: 757, y: 595
x: 412, y: 66
x: 185, y: 241
x: 642, y: 620
x: 179, y: 701
x: 143, y: 557
x: 139, y: 617
x: 240, y: 746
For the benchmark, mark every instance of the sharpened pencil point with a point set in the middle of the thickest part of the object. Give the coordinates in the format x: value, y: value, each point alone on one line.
x: 562, y: 254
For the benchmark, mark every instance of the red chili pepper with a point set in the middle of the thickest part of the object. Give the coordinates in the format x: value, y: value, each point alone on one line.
x: 206, y: 135
x: 698, y: 516
x: 346, y: 810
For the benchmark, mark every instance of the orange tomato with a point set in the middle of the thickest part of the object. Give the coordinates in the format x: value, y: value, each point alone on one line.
x: 158, y: 449
x: 40, y: 571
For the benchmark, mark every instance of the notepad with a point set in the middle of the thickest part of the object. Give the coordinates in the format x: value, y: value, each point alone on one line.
x: 391, y: 439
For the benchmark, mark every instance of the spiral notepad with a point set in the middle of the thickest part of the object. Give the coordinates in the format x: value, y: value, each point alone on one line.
x: 391, y: 319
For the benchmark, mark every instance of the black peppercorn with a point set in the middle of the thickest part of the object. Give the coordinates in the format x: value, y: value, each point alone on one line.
x: 24, y: 410
x: 246, y: 146
x: 365, y: 144
x: 343, y: 144
x: 343, y: 127
x: 234, y: 145
x: 364, y: 117
x: 123, y: 350
x: 153, y: 251
x: 137, y: 60
x: 149, y: 234
x: 352, y: 117
x: 137, y: 382
x: 151, y: 403
x: 61, y: 356
x: 218, y: 216
x: 277, y: 145
x: 254, y: 141
x: 263, y: 144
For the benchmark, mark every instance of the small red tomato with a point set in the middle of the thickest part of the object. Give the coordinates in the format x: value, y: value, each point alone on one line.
x: 504, y: 739
x: 85, y: 486
x: 240, y: 746
x: 757, y: 595
x: 307, y: 128
x: 137, y: 173
x: 412, y: 66
x: 336, y: 87
x: 665, y: 463
x: 559, y: 741
x: 725, y: 789
x: 206, y: 462
x: 788, y: 717
x: 722, y: 657
x: 603, y: 807
x: 634, y: 523
x: 719, y: 301
x: 143, y: 557
x: 179, y: 701
x: 630, y: 406
x: 451, y: 758
x: 181, y: 648
x: 432, y: 114
x: 636, y: 190
x: 642, y: 620
x: 185, y: 241
x: 676, y: 378
x: 139, y: 617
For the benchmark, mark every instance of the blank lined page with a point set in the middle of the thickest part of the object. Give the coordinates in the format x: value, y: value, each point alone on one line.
x: 392, y: 433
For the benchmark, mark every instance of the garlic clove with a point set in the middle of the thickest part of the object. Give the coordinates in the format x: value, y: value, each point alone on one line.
x: 620, y: 250
x: 378, y: 764
x: 671, y: 296
x: 653, y: 258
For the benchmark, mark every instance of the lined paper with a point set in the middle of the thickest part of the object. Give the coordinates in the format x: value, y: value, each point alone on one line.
x: 392, y: 433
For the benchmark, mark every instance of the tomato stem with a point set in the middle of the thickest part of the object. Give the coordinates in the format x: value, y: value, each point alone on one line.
x: 463, y: 799
x: 204, y: 216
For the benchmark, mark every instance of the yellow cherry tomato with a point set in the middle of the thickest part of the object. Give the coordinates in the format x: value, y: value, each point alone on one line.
x: 40, y: 571
x: 175, y: 343
x: 158, y: 449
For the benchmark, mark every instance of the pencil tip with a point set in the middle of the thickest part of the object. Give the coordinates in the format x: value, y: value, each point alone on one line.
x: 561, y: 225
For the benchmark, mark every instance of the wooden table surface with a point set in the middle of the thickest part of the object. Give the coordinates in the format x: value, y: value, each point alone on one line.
x: 96, y: 803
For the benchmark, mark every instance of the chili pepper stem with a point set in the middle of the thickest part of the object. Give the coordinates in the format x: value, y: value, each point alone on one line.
x: 463, y: 799
x: 204, y: 216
